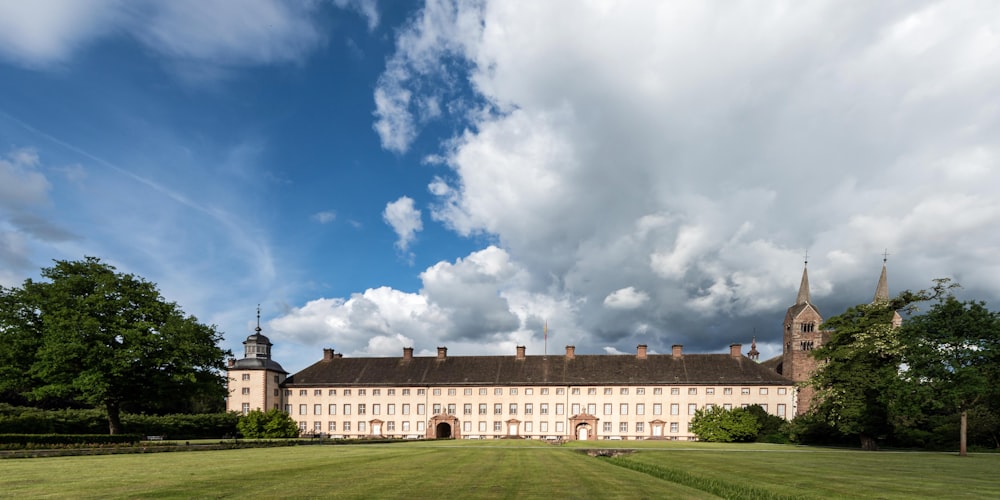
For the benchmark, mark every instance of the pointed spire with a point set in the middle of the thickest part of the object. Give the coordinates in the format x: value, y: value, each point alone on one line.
x: 882, y: 288
x: 754, y: 354
x: 803, y: 297
x: 258, y: 320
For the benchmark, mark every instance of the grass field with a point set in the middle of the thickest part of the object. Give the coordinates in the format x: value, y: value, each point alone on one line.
x: 507, y: 469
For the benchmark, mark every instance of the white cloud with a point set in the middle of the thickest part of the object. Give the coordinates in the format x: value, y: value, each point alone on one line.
x: 325, y: 217
x: 21, y: 183
x: 626, y: 298
x: 404, y: 219
x: 366, y: 8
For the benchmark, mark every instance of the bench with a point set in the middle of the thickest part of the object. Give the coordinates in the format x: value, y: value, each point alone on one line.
x: 154, y: 438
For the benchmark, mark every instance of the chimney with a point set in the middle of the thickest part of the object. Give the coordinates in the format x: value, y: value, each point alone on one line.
x: 570, y: 352
x: 641, y: 351
x: 735, y: 350
x: 520, y: 352
x: 442, y: 353
x: 407, y: 353
x: 677, y: 350
x: 327, y: 354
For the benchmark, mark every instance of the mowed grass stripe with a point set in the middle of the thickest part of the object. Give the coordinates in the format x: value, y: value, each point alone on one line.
x: 391, y: 471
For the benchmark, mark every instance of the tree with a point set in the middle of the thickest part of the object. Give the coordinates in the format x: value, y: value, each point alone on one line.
x: 106, y: 339
x: 273, y: 423
x: 720, y: 425
x: 953, y: 352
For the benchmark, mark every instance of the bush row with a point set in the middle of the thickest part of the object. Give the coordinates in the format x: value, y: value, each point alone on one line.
x: 23, y: 420
x: 51, y: 439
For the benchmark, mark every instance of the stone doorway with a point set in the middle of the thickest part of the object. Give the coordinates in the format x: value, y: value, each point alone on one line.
x: 442, y: 430
x: 443, y: 426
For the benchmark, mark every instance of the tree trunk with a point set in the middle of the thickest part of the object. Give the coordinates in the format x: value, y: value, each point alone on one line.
x: 114, y: 417
x: 868, y: 443
x: 962, y: 433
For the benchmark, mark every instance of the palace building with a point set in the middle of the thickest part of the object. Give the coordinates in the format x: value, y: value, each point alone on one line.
x: 566, y: 396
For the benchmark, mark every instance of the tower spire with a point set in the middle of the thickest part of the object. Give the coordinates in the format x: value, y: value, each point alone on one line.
x: 258, y: 320
x: 882, y: 288
x: 803, y: 297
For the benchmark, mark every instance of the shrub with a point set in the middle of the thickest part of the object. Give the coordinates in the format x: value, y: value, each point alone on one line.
x: 273, y: 423
x: 719, y: 425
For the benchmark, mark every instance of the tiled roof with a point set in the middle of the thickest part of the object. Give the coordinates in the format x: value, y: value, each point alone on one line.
x: 537, y: 370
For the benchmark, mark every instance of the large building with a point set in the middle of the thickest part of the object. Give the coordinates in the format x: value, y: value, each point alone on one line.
x: 566, y: 396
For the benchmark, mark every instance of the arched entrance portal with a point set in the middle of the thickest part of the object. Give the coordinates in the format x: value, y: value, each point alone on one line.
x: 584, y: 426
x: 442, y: 431
x: 583, y: 432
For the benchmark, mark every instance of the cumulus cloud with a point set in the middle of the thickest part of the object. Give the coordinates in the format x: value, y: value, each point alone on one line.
x: 696, y: 152
x: 404, y: 219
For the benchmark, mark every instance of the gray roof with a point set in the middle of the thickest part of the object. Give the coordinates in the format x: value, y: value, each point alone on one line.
x: 537, y: 370
x: 257, y: 364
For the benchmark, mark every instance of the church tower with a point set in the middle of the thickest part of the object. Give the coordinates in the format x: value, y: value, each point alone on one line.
x: 802, y: 334
x: 254, y: 380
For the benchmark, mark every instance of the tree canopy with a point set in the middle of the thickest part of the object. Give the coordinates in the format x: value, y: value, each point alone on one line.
x: 717, y: 424
x: 273, y: 423
x: 93, y: 336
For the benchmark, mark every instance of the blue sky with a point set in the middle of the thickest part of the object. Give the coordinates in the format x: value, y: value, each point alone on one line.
x: 378, y: 175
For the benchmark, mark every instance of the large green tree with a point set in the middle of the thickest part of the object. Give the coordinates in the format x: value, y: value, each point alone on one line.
x: 95, y: 336
x: 858, y: 388
x: 952, y: 353
x: 719, y: 425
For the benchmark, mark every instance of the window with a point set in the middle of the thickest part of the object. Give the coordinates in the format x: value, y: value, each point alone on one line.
x: 675, y: 427
x: 318, y: 392
x: 288, y: 409
x: 317, y: 426
x: 467, y: 391
x: 451, y: 408
x: 528, y: 409
x: 390, y: 409
x: 727, y: 391
x: 361, y: 427
x: 543, y: 408
x: 303, y: 392
x: 692, y: 391
x: 623, y: 391
x: 497, y: 408
x: 467, y: 426
x: 543, y: 427
x: 727, y: 406
x: 675, y: 391
x: 591, y: 391
x: 781, y: 410
x: 560, y: 426
x: 497, y: 427
x: 467, y: 409
x: 391, y: 392
x: 437, y: 408
x: 592, y: 408
x: 275, y: 379
x: 545, y: 391
x: 528, y: 427
x: 710, y: 391
x: 452, y: 392
x: 608, y: 391
x: 575, y: 409
x: 420, y: 409
x: 390, y: 426
x: 482, y: 426
x: 657, y: 391
x: 482, y: 391
x: 576, y: 391
x: 288, y: 392
x: 421, y: 392
x: 529, y: 391
x: 406, y: 392
x: 560, y: 409
x: 376, y: 392
x: 246, y: 376
x: 482, y: 408
x: 623, y: 427
x: 657, y: 409
x: 317, y: 409
x: 640, y: 391
x: 347, y: 426
x: 332, y: 427
x: 420, y: 426
x: 333, y: 409
x: 623, y: 409
x: 675, y: 409
x: 347, y: 392
x: 406, y: 426
x: 745, y: 391
x: 764, y: 407
x: 513, y: 391
x: 361, y: 392
x: 607, y: 427
x: 405, y: 409
x: 639, y: 427
x: 498, y: 392
x: 692, y: 408
x: 302, y: 426
x: 332, y: 392
x: 437, y: 392
x: 303, y: 409
x: 709, y: 406
x: 512, y: 409
x: 376, y: 409
x: 640, y: 409
x: 763, y: 391
x: 361, y: 411
x: 276, y: 393
x: 781, y: 391
x: 347, y: 409
x: 560, y: 391
x: 246, y: 391
x: 246, y: 408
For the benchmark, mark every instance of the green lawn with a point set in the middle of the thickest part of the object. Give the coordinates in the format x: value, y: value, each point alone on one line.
x: 506, y: 469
